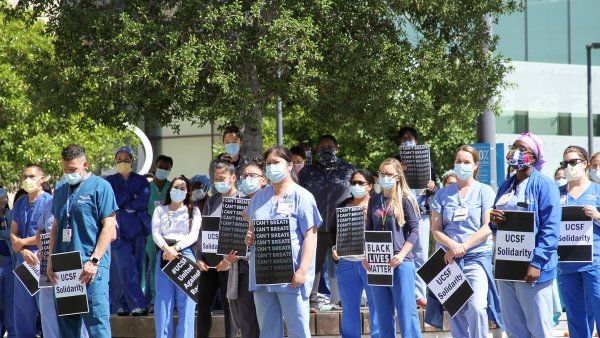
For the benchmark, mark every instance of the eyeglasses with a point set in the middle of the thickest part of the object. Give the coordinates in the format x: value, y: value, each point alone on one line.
x: 251, y: 175
x: 124, y: 161
x: 572, y: 162
x: 522, y: 149
x: 361, y: 183
x: 390, y: 175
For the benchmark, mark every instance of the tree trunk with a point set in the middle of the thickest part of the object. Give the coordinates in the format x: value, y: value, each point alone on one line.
x: 253, y: 144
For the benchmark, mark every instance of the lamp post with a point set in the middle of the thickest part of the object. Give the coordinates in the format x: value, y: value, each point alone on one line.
x: 589, y: 48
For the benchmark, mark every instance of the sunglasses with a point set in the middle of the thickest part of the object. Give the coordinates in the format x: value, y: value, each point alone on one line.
x: 572, y: 162
x: 361, y: 183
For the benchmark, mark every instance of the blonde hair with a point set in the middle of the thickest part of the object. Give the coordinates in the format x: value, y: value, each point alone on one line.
x: 402, y: 190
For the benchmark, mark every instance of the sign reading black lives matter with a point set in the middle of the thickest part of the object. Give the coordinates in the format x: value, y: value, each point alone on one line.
x: 28, y: 275
x: 185, y: 274
x: 209, y: 240
x: 233, y: 227
x: 379, y: 251
x: 350, y: 237
x: 417, y: 160
x: 576, y: 240
x: 515, y: 242
x: 44, y: 281
x: 70, y: 294
x: 273, y: 260
x: 447, y: 282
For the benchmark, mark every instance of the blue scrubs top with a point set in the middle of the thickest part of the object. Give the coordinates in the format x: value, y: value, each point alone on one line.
x: 30, y: 217
x: 591, y: 196
x: 479, y: 199
x: 89, y: 204
x: 132, y: 197
x: 305, y: 215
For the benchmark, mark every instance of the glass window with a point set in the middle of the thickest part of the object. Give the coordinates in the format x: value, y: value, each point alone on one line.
x: 505, y: 123
x: 585, y: 28
x: 511, y: 30
x: 547, y: 31
x: 521, y: 122
x: 564, y: 124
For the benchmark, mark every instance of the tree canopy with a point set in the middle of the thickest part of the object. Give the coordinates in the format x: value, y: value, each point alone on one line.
x: 355, y: 69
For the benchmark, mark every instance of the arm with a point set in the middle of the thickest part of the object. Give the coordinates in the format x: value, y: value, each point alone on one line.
x: 309, y: 246
x: 412, y: 222
x: 192, y: 237
x: 156, y: 236
x: 141, y: 201
x: 549, y: 216
x: 107, y: 235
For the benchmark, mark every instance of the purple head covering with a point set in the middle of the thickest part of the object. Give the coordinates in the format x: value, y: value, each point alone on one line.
x: 535, y: 143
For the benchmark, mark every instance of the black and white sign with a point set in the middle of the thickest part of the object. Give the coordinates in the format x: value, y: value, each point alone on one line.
x: 71, y: 295
x: 233, y: 227
x: 515, y: 242
x: 447, y: 282
x: 273, y: 260
x: 576, y: 240
x: 44, y: 281
x: 379, y: 251
x: 417, y: 160
x: 28, y: 275
x: 350, y: 237
x: 210, y: 240
x: 185, y: 274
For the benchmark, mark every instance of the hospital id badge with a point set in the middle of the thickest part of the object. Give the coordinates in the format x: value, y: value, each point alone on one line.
x: 66, y: 235
x: 504, y: 199
x: 285, y: 208
x: 460, y: 215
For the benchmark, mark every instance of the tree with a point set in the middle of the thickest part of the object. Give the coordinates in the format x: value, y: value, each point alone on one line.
x: 29, y: 132
x: 358, y: 69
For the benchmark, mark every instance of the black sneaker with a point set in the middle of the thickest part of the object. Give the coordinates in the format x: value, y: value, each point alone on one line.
x: 122, y: 313
x: 137, y: 312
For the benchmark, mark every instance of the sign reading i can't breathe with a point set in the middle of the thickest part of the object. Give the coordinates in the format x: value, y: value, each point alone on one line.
x: 209, y: 240
x: 515, y: 242
x: 28, y: 275
x: 185, y: 274
x: 70, y: 293
x: 447, y: 282
x: 379, y: 251
x: 273, y: 260
x: 576, y: 240
x: 418, y: 165
x: 44, y: 281
x: 233, y: 227
x: 350, y: 238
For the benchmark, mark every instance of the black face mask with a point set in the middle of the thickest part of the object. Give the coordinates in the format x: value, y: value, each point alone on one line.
x: 327, y: 158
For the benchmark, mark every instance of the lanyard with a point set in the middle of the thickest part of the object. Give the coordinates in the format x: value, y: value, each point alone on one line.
x: 384, y: 212
x: 69, y: 207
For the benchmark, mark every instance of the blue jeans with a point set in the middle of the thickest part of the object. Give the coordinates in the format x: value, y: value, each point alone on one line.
x: 97, y: 320
x: 576, y: 288
x: 527, y: 310
x: 272, y: 306
x: 352, y: 281
x: 7, y: 289
x: 400, y: 297
x: 167, y: 296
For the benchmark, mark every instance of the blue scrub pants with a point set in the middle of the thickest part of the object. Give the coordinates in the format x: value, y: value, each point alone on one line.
x: 167, y: 296
x: 421, y: 253
x: 129, y: 255
x: 576, y: 288
x: 527, y: 310
x: 25, y: 308
x: 400, y: 297
x: 148, y: 283
x: 272, y: 306
x: 97, y: 320
x: 48, y: 313
x: 352, y: 281
x: 7, y: 289
x: 472, y: 320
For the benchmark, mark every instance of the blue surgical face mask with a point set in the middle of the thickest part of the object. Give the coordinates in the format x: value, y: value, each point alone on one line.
x: 594, y: 175
x: 198, y: 194
x: 161, y: 174
x: 358, y: 191
x: 232, y: 148
x: 177, y: 195
x: 560, y: 182
x: 249, y: 185
x: 387, y: 183
x: 409, y: 143
x: 73, y: 178
x: 463, y: 171
x: 222, y: 187
x: 276, y: 172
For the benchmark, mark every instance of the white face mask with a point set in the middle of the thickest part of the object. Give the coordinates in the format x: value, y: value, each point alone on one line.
x: 560, y: 182
x: 595, y: 175
x: 574, y: 172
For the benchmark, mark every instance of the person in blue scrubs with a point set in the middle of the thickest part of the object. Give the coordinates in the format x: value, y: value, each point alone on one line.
x: 285, y: 199
x: 84, y: 210
x: 396, y: 210
x: 7, y: 318
x: 352, y: 277
x: 30, y: 213
x: 132, y: 192
x: 174, y: 236
x: 579, y: 283
x: 527, y: 305
x: 460, y: 225
x: 158, y: 192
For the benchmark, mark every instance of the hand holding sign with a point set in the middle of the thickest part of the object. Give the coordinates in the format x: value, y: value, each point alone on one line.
x: 169, y: 254
x: 591, y: 212
x: 203, y: 266
x: 533, y: 274
x: 29, y: 257
x: 50, y: 273
x: 88, y: 273
x: 299, y: 278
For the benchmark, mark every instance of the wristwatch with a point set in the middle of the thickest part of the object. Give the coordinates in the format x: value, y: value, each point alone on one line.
x: 177, y: 248
x: 94, y: 260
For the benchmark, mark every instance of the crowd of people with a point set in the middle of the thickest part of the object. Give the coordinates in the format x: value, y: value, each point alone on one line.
x: 128, y: 226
